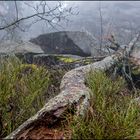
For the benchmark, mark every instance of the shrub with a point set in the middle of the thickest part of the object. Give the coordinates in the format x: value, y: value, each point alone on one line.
x: 21, y: 92
x: 111, y: 115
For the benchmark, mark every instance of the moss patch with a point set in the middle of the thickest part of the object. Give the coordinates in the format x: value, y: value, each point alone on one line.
x: 66, y: 59
x: 84, y: 61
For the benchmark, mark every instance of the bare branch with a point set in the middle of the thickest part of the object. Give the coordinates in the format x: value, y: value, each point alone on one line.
x: 114, y: 42
x: 42, y: 12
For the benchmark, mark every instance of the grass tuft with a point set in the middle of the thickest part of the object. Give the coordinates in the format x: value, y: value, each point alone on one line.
x: 111, y: 115
x: 22, y: 88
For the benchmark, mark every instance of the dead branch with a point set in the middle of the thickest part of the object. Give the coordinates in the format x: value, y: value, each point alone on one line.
x: 114, y: 42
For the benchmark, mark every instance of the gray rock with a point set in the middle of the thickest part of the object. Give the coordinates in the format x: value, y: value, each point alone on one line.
x: 9, y: 47
x: 67, y: 42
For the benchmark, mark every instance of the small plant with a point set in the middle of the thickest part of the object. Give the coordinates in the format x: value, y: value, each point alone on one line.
x: 22, y: 88
x: 111, y: 115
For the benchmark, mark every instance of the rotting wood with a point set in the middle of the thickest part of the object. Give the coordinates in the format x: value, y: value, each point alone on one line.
x: 73, y: 91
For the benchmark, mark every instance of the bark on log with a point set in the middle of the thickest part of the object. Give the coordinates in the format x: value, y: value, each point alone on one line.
x: 73, y: 93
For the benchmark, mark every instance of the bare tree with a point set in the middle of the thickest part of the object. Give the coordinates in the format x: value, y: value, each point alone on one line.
x: 42, y: 12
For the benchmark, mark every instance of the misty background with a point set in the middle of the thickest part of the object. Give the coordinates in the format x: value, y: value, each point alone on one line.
x: 120, y: 18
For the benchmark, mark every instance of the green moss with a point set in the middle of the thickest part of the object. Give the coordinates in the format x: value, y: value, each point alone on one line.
x: 66, y: 59
x: 71, y: 60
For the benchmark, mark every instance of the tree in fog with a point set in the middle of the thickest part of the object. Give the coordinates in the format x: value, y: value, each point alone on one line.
x: 12, y: 19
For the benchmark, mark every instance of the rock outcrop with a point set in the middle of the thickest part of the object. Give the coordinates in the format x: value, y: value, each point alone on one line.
x: 66, y: 42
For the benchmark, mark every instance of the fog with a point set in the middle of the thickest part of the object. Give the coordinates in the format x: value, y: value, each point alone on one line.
x: 120, y: 18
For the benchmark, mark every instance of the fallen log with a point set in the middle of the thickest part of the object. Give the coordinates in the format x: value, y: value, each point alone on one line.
x: 73, y: 93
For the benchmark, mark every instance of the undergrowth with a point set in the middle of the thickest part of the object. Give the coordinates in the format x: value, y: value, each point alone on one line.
x: 22, y: 88
x: 111, y: 114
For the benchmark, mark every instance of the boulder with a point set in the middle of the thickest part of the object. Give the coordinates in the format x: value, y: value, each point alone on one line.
x: 9, y: 47
x: 66, y: 42
x: 23, y: 50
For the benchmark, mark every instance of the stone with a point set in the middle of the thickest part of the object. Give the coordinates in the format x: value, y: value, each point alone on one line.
x: 10, y: 47
x: 66, y: 42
